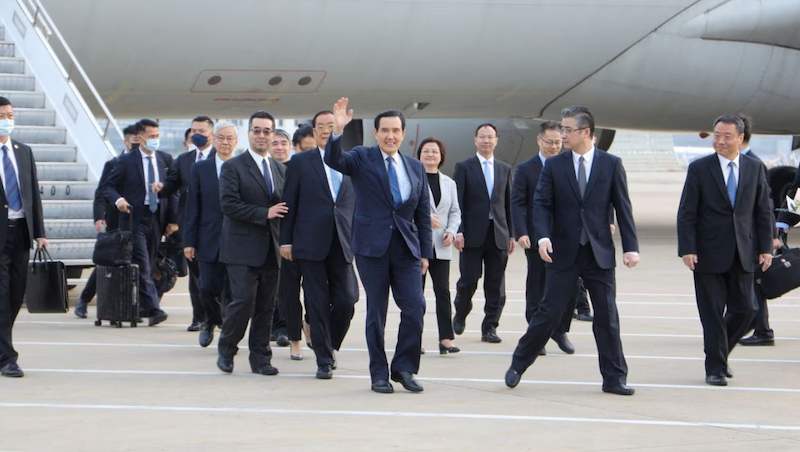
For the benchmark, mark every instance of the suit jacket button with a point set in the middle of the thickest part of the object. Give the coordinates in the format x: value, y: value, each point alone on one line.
x: 5, y: 206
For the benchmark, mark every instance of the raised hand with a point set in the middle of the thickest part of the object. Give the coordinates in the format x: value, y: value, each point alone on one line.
x: 341, y: 117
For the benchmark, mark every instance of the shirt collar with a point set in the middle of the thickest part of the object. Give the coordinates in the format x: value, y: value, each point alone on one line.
x: 724, y: 162
x: 588, y: 157
x: 256, y: 157
x: 542, y: 158
x: 395, y: 157
x: 482, y: 160
x: 746, y: 151
x: 205, y: 153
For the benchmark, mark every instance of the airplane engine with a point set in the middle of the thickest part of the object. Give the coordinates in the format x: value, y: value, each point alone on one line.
x: 781, y: 177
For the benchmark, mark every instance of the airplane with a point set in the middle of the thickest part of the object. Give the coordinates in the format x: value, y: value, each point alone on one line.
x: 671, y: 65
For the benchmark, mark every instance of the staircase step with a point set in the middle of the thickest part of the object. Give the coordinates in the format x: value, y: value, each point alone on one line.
x: 40, y: 135
x: 57, y: 190
x: 16, y: 82
x: 12, y: 65
x: 69, y: 229
x: 67, y: 210
x: 24, y: 99
x: 54, y: 153
x: 61, y: 249
x: 34, y: 117
x: 7, y: 49
x: 60, y: 171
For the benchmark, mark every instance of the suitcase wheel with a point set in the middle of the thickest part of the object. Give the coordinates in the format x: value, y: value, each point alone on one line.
x: 118, y: 324
x: 98, y: 322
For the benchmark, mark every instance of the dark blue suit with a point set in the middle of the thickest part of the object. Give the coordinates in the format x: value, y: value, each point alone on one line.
x: 560, y: 214
x: 202, y: 230
x: 388, y: 244
x: 318, y: 228
x: 127, y: 181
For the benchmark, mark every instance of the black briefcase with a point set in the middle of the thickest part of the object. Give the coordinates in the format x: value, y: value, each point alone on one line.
x: 46, y: 291
x: 114, y: 247
x: 782, y: 276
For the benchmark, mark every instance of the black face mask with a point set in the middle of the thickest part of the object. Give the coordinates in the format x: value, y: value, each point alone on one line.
x: 199, y: 140
x: 134, y: 146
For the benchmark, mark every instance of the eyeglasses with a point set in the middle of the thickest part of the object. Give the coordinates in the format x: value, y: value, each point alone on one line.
x: 324, y: 127
x: 551, y: 142
x: 256, y: 131
x: 568, y: 130
x: 430, y: 151
x: 222, y: 138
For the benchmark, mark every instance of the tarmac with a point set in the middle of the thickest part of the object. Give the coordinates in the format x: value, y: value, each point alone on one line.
x: 93, y: 388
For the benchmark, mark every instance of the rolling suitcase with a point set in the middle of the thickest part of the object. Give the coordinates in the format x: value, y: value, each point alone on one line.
x: 118, y: 295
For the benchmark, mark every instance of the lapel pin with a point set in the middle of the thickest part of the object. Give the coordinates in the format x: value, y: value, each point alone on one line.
x: 16, y: 146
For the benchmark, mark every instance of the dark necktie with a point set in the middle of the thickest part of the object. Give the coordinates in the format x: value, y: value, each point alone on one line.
x: 12, y: 186
x: 731, y: 184
x: 582, y: 189
x: 199, y: 156
x: 152, y: 198
x: 394, y: 186
x: 267, y: 175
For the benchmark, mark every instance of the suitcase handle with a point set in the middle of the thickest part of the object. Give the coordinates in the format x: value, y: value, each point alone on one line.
x: 42, y: 255
x: 129, y: 213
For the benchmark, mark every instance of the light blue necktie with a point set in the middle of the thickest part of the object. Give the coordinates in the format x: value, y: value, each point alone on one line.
x: 487, y: 174
x: 152, y: 198
x: 394, y: 186
x: 12, y: 186
x: 732, y: 184
x: 336, y: 181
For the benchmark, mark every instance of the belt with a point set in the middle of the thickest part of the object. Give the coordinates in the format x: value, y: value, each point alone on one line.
x: 16, y: 222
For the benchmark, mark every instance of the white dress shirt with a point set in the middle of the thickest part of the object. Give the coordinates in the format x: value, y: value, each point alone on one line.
x: 723, y: 164
x: 260, y: 166
x: 588, y: 157
x: 327, y: 171
x: 219, y: 163
x: 491, y: 169
x: 543, y: 159
x: 146, y: 168
x: 402, y: 176
x: 12, y: 214
x: 203, y: 153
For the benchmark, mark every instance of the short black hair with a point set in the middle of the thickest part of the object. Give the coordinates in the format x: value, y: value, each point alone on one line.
x: 319, y: 113
x: 300, y: 134
x: 186, y: 134
x: 130, y: 130
x: 143, y: 123
x: 390, y: 114
x: 437, y: 142
x: 748, y: 126
x: 583, y: 117
x: 731, y: 119
x: 4, y: 102
x: 487, y: 124
x: 262, y: 115
x: 205, y: 119
x: 548, y: 125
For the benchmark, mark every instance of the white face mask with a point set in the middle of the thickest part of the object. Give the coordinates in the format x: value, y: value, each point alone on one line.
x: 6, y: 127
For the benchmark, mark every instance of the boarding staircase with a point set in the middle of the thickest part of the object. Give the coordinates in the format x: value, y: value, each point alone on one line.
x: 68, y: 143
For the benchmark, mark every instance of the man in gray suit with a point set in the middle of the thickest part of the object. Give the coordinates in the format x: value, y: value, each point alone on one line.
x: 22, y: 206
x: 251, y: 190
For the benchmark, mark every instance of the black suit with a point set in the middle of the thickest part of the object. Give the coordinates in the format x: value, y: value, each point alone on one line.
x: 318, y: 228
x: 16, y: 238
x: 127, y: 180
x: 249, y: 249
x: 487, y: 228
x: 202, y: 225
x: 561, y: 214
x: 760, y: 323
x: 526, y: 178
x: 178, y: 180
x: 726, y: 241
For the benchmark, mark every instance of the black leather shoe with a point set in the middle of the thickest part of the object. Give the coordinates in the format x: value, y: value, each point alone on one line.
x: 12, y: 370
x: 584, y: 317
x: 512, y: 378
x: 458, y: 325
x: 335, y: 362
x: 195, y: 326
x: 225, y: 364
x: 324, y: 372
x: 80, y: 309
x: 757, y: 340
x: 620, y: 389
x: 491, y: 337
x: 728, y: 372
x: 564, y: 344
x: 157, y: 317
x: 206, y: 336
x: 443, y: 350
x: 282, y: 340
x: 407, y: 380
x: 716, y: 380
x: 383, y: 387
x: 543, y: 352
x: 266, y: 369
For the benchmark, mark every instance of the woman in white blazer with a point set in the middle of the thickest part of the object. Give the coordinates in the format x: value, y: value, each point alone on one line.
x: 445, y: 220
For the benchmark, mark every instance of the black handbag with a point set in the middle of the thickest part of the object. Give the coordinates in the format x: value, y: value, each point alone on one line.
x: 46, y: 291
x: 782, y: 276
x: 165, y: 272
x: 172, y: 247
x: 114, y: 247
